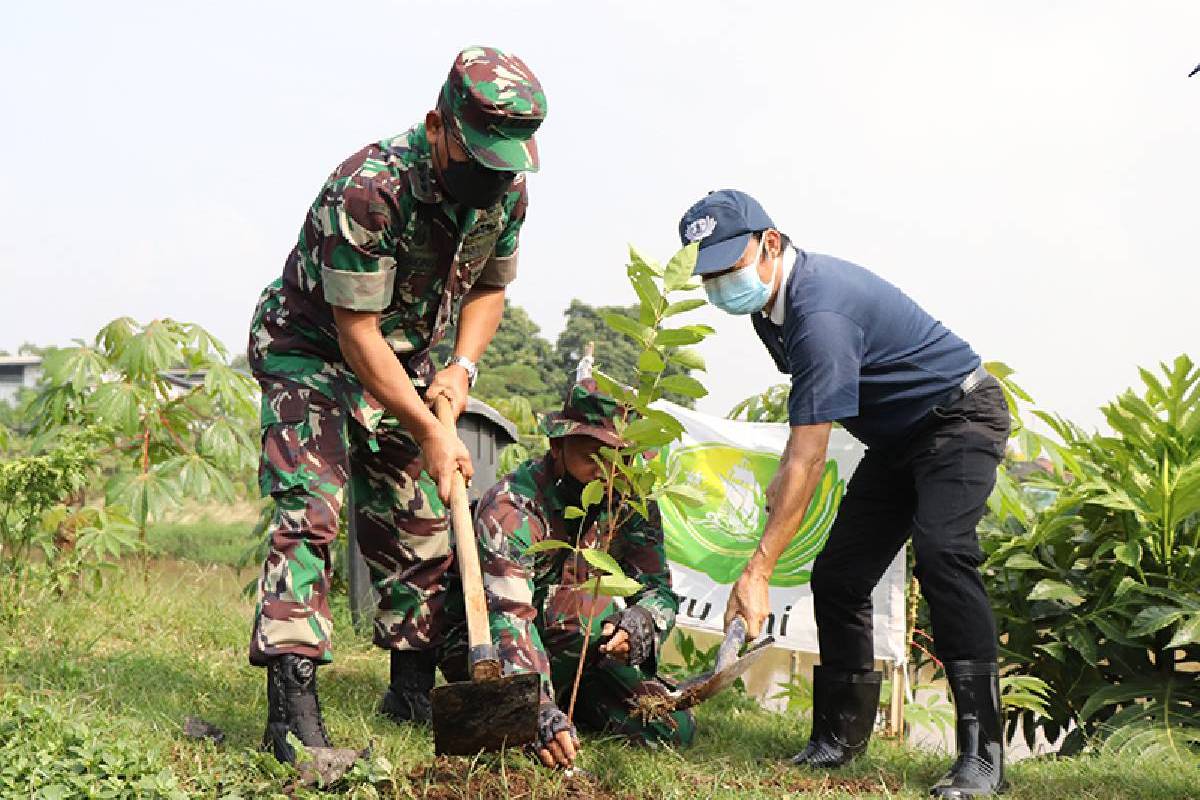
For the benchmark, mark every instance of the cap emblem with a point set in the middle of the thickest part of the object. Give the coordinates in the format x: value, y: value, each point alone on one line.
x: 699, y: 229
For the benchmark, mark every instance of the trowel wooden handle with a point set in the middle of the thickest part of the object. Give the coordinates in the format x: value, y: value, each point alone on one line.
x: 482, y: 659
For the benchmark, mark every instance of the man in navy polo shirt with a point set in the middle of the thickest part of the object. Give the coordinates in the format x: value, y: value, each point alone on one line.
x: 861, y: 353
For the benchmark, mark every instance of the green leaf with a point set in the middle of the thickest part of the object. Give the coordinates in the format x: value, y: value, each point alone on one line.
x: 1187, y: 633
x: 233, y: 389
x: 648, y: 433
x: 678, y: 272
x: 1128, y: 553
x: 1142, y: 686
x: 623, y: 324
x: 592, y: 493
x: 683, y: 306
x: 602, y: 561
x: 147, y: 495
x: 546, y: 545
x: 685, y: 385
x: 650, y: 361
x: 998, y: 369
x: 606, y: 384
x: 612, y: 585
x: 637, y: 260
x: 1023, y: 561
x: 199, y: 479
x: 148, y: 353
x: 687, y: 358
x: 677, y: 337
x: 647, y: 292
x: 1154, y: 618
x: 1049, y: 589
x: 113, y: 336
x: 573, y: 512
x: 77, y: 367
x: 1126, y: 586
x: 221, y: 442
x: 209, y: 349
x: 118, y: 404
x: 1081, y: 639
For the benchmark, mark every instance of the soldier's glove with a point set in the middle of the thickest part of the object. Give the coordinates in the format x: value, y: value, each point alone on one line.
x: 551, y: 722
x: 638, y: 624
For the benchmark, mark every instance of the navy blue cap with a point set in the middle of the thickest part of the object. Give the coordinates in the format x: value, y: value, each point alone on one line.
x: 722, y: 223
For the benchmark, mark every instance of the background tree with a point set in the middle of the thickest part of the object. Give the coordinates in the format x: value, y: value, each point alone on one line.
x: 519, y: 362
x: 616, y: 355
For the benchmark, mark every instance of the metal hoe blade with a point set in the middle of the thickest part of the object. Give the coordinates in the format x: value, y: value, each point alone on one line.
x: 700, y: 688
x: 472, y: 717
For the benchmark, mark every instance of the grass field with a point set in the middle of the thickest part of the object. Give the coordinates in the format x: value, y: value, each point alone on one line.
x: 93, y: 691
x: 205, y: 534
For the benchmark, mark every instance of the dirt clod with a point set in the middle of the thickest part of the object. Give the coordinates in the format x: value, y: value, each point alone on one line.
x: 196, y: 728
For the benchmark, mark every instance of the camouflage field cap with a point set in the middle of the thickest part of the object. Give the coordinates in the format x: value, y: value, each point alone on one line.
x: 495, y: 104
x: 587, y: 412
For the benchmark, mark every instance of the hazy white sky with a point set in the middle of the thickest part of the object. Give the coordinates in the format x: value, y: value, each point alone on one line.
x: 1027, y: 171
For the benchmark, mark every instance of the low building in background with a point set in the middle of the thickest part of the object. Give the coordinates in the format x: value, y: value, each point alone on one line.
x: 17, y: 373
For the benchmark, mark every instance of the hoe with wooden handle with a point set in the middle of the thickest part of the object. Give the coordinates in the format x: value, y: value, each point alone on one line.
x: 490, y: 711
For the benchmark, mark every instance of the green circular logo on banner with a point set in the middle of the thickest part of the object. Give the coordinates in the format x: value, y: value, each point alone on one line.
x: 718, y: 536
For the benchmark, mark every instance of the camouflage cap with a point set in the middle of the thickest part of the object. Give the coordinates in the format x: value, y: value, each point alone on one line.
x: 495, y: 103
x: 587, y: 412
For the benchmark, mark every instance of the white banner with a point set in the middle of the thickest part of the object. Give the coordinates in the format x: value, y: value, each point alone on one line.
x: 732, y: 463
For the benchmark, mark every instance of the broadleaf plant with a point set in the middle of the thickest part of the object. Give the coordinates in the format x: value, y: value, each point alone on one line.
x: 1093, y: 565
x: 170, y: 433
x: 632, y: 479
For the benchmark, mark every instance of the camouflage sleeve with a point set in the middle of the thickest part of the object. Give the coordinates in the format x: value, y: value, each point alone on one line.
x: 353, y: 220
x: 498, y: 272
x: 644, y: 558
x: 504, y: 530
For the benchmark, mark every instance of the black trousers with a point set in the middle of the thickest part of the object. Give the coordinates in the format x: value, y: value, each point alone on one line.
x: 934, y: 489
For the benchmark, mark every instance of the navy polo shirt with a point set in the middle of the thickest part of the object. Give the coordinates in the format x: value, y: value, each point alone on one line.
x: 860, y: 351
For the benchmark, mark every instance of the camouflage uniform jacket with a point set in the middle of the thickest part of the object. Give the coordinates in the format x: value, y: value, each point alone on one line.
x: 531, y: 604
x: 379, y: 237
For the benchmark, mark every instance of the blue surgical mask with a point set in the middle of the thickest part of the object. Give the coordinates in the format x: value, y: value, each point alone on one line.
x: 741, y: 291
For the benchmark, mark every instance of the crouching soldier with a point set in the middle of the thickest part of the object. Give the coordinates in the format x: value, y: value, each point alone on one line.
x: 537, y: 606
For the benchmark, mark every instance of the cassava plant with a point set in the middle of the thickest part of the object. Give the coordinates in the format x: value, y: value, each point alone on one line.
x: 166, y: 441
x: 631, y: 480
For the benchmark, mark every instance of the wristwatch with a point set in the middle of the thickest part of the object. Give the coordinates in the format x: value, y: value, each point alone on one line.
x: 468, y: 365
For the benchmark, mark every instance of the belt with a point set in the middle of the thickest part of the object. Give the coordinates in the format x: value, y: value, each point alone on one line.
x: 974, y: 380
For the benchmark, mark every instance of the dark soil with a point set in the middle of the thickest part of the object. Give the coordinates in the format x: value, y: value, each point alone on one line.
x: 450, y: 778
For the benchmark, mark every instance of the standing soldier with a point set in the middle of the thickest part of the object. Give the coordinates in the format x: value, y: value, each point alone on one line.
x: 404, y: 236
x: 538, y: 607
x: 859, y: 351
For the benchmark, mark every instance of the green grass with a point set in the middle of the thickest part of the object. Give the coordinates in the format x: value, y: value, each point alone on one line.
x: 205, y: 541
x: 93, y: 691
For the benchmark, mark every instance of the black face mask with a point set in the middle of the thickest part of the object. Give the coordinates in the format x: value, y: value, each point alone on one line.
x: 473, y: 185
x: 569, y: 489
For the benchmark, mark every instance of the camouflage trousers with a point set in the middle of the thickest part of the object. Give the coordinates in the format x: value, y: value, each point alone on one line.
x: 609, y: 691
x: 311, y: 454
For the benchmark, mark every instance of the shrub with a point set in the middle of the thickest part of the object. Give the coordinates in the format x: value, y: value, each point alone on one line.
x: 1095, y: 573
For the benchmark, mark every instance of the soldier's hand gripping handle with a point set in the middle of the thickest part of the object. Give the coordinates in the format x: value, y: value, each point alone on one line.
x: 444, y: 453
x: 482, y: 660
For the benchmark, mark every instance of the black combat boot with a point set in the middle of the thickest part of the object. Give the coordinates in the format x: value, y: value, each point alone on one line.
x: 979, y: 768
x: 293, y: 707
x: 407, y: 698
x: 844, y: 708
